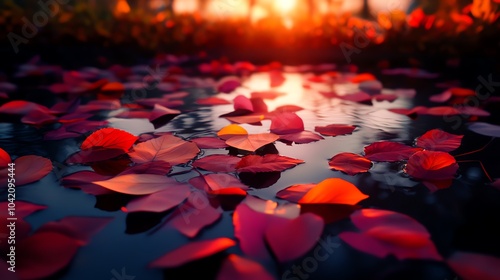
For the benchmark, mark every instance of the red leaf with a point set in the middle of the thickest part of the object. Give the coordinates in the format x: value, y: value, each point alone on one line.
x: 209, y: 143
x: 31, y: 168
x: 236, y: 267
x: 162, y: 115
x: 356, y: 97
x: 386, y: 233
x: 215, y: 182
x: 137, y: 184
x: 438, y: 140
x: 43, y: 254
x: 302, y: 137
x: 217, y: 163
x: 472, y: 266
x: 160, y: 201
x: 250, y: 119
x: 295, y: 192
x: 23, y: 208
x: 293, y: 238
x: 166, y: 148
x: 267, y: 163
x: 38, y: 117
x: 333, y: 191
x: 267, y: 94
x: 462, y: 92
x: 228, y: 84
x: 363, y: 78
x: 194, y: 215
x: 193, y: 251
x: 335, y: 129
x: 389, y: 151
x: 442, y: 97
x: 286, y: 123
x: 251, y: 142
x: 103, y: 144
x: 242, y: 103
x: 4, y: 158
x: 441, y: 111
x: 212, y: 101
x: 276, y: 78
x: 82, y: 180
x: 430, y: 165
x: 21, y: 107
x: 350, y: 163
x: 77, y: 228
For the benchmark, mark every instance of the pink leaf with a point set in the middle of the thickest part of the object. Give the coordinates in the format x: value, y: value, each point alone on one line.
x: 236, y: 267
x: 137, y: 184
x: 305, y: 232
x: 286, y: 123
x: 209, y: 143
x: 335, y: 129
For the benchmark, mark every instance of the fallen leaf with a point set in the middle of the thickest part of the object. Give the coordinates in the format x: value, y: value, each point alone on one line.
x: 350, y: 163
x: 137, y: 184
x: 389, y: 151
x: 438, y: 140
x: 167, y: 148
x: 333, y: 191
x: 267, y: 163
x: 192, y: 251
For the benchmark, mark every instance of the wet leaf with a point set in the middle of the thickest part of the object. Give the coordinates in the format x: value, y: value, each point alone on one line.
x: 430, y: 165
x: 389, y: 151
x: 137, y: 184
x: 192, y: 251
x: 386, y: 233
x: 293, y: 238
x: 267, y: 163
x: 333, y: 191
x: 167, y: 148
x: 236, y: 267
x: 31, y: 168
x: 471, y: 266
x: 43, y: 254
x: 438, y: 140
x: 350, y: 163
x: 159, y: 201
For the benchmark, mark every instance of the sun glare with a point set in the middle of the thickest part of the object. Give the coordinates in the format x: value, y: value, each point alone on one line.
x: 285, y: 6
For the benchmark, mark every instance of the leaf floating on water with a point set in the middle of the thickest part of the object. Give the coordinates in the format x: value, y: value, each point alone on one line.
x: 193, y: 251
x: 471, y: 266
x: 335, y: 129
x: 389, y: 151
x: 438, y: 140
x: 43, y: 254
x: 31, y: 168
x: 162, y: 115
x: 386, y: 233
x: 431, y: 165
x: 267, y: 163
x: 167, y: 148
x: 293, y: 238
x: 236, y: 267
x: 159, y: 201
x: 137, y: 184
x: 333, y: 191
x: 350, y: 163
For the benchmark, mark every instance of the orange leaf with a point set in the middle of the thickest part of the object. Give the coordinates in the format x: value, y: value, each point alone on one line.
x: 333, y: 191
